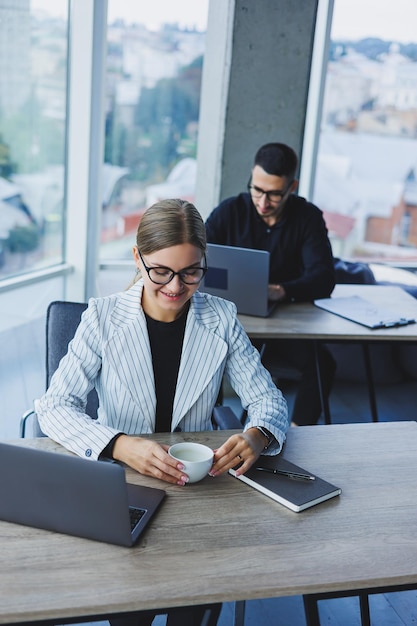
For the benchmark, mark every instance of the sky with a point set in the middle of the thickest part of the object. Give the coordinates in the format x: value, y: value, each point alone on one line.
x: 153, y: 13
x: 156, y: 12
x: 394, y: 20
x: 352, y: 19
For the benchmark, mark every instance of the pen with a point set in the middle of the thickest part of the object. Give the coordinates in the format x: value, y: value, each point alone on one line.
x: 293, y: 475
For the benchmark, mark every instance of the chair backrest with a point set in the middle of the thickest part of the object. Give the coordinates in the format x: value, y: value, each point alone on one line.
x: 62, y: 319
x: 349, y: 272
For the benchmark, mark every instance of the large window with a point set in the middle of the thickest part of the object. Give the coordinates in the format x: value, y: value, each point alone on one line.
x: 33, y: 79
x: 366, y: 177
x: 155, y: 57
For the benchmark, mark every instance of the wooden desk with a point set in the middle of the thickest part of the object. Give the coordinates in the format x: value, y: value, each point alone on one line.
x: 219, y: 540
x: 306, y: 321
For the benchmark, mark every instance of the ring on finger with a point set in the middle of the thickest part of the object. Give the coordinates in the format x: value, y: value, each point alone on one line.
x: 239, y: 457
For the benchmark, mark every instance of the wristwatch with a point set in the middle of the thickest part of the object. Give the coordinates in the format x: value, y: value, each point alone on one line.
x: 266, y: 434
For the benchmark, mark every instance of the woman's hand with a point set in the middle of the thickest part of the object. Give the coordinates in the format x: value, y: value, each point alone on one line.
x: 242, y: 448
x: 149, y: 458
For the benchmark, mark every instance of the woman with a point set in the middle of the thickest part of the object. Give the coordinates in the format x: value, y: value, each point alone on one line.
x: 156, y: 355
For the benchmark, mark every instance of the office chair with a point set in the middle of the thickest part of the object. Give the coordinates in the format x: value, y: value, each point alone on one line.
x: 62, y: 319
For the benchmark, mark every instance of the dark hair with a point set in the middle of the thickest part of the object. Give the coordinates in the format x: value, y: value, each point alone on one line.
x: 277, y: 159
x: 170, y: 223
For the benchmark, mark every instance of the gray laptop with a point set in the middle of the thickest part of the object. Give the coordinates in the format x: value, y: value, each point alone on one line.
x: 70, y: 495
x: 240, y: 275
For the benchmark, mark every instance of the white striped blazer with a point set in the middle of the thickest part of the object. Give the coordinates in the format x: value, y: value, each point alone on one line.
x: 111, y: 352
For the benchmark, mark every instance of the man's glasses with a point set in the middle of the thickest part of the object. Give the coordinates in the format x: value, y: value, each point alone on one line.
x: 163, y: 275
x: 274, y: 195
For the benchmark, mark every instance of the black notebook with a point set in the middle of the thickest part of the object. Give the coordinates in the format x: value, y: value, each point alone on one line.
x: 296, y: 494
x: 361, y: 311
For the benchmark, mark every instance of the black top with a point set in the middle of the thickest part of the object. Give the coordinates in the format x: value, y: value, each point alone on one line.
x: 301, y: 255
x: 166, y: 339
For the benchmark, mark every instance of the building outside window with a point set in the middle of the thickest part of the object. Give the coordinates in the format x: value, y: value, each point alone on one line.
x: 155, y: 57
x: 33, y: 93
x: 367, y: 158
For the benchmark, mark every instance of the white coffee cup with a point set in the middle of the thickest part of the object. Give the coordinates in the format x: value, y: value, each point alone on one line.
x: 196, y: 458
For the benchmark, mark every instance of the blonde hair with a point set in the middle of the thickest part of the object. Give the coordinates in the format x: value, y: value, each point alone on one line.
x: 170, y: 223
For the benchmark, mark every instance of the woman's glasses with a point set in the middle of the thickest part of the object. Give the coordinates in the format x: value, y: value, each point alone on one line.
x: 163, y: 275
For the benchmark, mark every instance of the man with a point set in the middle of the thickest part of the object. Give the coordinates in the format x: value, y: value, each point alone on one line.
x: 270, y: 217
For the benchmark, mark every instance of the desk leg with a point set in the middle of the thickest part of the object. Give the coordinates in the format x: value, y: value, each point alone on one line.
x: 370, y: 381
x: 364, y: 608
x: 239, y: 619
x: 324, y: 400
x: 311, y: 610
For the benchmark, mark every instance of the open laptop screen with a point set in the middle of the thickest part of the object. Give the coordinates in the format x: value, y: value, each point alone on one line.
x: 240, y: 275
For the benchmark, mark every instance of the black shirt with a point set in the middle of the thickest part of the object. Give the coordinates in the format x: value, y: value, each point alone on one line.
x: 166, y: 339
x: 301, y: 255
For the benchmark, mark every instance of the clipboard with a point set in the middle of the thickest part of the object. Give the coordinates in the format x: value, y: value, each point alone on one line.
x: 361, y: 311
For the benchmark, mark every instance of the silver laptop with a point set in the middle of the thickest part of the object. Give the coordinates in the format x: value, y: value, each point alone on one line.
x: 70, y: 495
x: 240, y: 275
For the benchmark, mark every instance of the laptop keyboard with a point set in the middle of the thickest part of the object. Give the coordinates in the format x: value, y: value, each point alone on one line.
x: 135, y: 516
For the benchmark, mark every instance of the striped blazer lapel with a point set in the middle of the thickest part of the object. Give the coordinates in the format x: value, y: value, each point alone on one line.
x: 128, y: 351
x: 129, y: 354
x: 202, y: 354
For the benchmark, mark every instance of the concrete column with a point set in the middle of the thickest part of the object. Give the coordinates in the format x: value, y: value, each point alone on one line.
x: 258, y: 93
x: 269, y: 79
